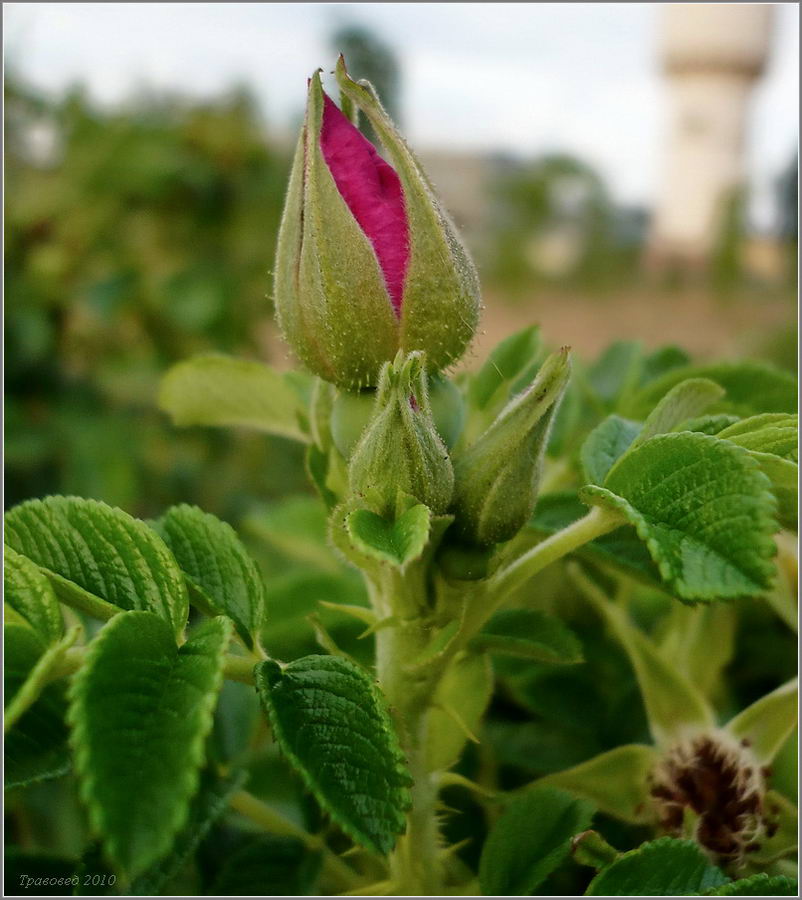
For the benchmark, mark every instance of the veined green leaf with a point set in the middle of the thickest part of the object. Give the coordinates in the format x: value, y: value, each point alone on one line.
x: 459, y: 703
x: 208, y: 805
x: 767, y: 723
x: 760, y: 885
x: 614, y: 781
x: 752, y: 387
x: 399, y: 542
x: 709, y: 424
x: 218, y: 565
x: 530, y: 634
x: 99, y: 558
x: 530, y: 839
x: 140, y: 711
x: 36, y: 747
x: 332, y: 723
x: 222, y: 391
x: 605, y: 444
x: 703, y: 509
x: 29, y: 592
x: 685, y: 400
x: 666, y: 867
x: 672, y: 703
x: 776, y: 433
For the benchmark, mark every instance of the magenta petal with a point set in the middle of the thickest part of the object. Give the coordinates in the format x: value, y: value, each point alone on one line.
x: 372, y: 191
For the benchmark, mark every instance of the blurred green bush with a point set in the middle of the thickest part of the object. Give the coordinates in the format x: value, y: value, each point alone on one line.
x: 134, y: 238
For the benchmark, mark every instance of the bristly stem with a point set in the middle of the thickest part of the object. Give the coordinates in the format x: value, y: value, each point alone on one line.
x: 597, y: 522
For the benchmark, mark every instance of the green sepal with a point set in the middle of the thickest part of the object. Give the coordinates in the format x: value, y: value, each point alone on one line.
x: 768, y: 722
x: 496, y: 480
x: 673, y: 705
x: 400, y: 450
x: 398, y: 542
x: 441, y: 300
x: 614, y: 781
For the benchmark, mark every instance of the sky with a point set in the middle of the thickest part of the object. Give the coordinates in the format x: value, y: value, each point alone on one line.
x: 519, y: 77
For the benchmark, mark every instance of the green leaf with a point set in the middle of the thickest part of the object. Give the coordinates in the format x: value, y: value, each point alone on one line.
x: 752, y: 387
x: 99, y: 558
x: 221, y: 391
x: 684, y: 401
x: 672, y: 702
x: 29, y: 592
x: 703, y: 509
x: 784, y: 477
x: 399, y: 542
x: 768, y: 722
x: 268, y: 866
x: 617, y: 371
x: 663, y: 360
x: 614, y: 781
x: 710, y: 424
x: 604, y: 445
x: 530, y: 634
x: 760, y: 885
x: 662, y: 868
x: 140, y: 711
x: 207, y: 807
x: 775, y: 433
x: 218, y: 565
x: 530, y: 839
x: 458, y: 705
x: 296, y: 528
x: 331, y: 721
x: 36, y: 747
x: 513, y: 359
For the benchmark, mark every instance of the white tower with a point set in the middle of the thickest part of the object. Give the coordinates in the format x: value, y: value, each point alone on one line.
x: 712, y: 55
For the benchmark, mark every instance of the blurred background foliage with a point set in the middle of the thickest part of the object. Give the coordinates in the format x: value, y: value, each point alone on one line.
x: 134, y: 239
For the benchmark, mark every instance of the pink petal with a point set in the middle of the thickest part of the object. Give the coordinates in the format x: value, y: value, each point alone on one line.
x: 372, y: 191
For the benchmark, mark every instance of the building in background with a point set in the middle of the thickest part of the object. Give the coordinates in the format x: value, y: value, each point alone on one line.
x: 712, y: 55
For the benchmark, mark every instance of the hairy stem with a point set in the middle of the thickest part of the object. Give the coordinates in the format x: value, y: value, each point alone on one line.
x: 596, y: 523
x: 414, y: 864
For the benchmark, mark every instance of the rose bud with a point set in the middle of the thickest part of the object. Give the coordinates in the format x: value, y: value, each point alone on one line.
x: 352, y: 410
x: 400, y: 449
x: 367, y: 262
x: 496, y: 480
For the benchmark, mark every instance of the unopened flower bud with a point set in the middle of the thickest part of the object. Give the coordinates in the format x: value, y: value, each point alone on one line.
x: 497, y: 478
x: 352, y: 410
x: 367, y: 262
x: 400, y: 449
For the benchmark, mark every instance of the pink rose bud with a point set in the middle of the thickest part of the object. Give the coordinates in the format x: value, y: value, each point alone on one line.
x: 368, y: 263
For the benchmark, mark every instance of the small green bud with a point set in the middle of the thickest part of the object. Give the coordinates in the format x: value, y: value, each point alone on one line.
x: 497, y: 478
x: 400, y: 449
x: 352, y: 411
